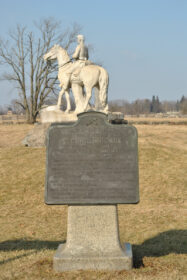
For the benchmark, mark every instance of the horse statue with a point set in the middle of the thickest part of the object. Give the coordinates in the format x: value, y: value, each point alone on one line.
x: 90, y: 76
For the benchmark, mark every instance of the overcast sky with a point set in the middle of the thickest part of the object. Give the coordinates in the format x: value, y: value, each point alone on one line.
x: 141, y: 43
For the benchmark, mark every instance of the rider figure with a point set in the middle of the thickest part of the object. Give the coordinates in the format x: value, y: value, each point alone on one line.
x: 80, y: 56
x: 81, y: 51
x: 81, y: 59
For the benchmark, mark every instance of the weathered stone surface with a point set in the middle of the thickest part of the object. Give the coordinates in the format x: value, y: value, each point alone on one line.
x: 115, y: 116
x: 92, y: 162
x: 37, y: 136
x: 92, y: 241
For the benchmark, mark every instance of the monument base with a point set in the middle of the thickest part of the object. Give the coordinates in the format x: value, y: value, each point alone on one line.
x: 52, y: 114
x: 92, y: 241
x: 63, y: 263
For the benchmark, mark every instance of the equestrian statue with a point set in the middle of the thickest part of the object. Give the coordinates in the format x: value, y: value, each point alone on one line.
x: 80, y: 75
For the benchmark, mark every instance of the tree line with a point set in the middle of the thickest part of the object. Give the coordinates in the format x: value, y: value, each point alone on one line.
x: 147, y: 106
x: 139, y: 106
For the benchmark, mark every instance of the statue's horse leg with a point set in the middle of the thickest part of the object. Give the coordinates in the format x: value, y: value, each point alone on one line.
x: 88, y: 97
x: 98, y: 105
x: 67, y: 100
x: 78, y: 96
x: 103, y: 89
x: 60, y: 98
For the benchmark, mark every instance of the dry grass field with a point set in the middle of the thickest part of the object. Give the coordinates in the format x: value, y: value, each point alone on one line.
x: 30, y: 231
x: 156, y: 121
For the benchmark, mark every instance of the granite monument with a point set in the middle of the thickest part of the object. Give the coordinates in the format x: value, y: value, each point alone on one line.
x: 91, y: 166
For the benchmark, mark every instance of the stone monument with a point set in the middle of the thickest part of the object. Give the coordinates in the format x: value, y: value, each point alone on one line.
x: 92, y: 165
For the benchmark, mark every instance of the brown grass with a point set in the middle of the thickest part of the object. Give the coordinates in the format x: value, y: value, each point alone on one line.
x: 11, y: 135
x: 31, y: 231
x: 177, y: 120
x: 156, y: 121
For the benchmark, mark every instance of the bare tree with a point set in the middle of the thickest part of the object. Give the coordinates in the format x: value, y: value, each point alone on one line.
x: 183, y: 105
x: 23, y: 54
x: 16, y: 108
x: 2, y: 110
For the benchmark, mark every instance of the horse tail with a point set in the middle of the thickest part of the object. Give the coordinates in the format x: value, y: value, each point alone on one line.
x: 103, y: 88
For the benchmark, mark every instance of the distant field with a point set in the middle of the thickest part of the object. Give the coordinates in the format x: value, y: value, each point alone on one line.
x: 156, y: 227
x: 132, y: 120
x: 170, y: 121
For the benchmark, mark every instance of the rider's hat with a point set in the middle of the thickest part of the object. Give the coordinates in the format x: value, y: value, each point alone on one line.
x: 80, y: 36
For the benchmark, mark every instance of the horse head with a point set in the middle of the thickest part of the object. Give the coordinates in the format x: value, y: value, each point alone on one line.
x: 54, y: 53
x: 51, y: 54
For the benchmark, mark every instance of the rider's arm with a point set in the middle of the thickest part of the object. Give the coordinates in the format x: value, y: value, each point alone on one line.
x: 76, y: 53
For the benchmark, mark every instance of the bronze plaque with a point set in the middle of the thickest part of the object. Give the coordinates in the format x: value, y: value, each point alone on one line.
x: 91, y: 162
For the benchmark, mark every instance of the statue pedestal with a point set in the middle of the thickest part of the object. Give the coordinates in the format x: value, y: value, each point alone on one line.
x: 92, y: 241
x: 52, y: 114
